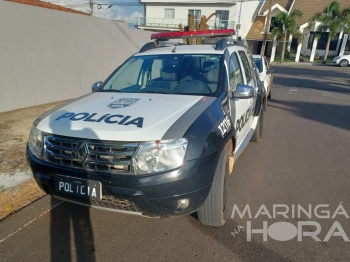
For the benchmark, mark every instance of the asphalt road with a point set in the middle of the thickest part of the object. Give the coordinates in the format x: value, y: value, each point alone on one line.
x: 303, y: 160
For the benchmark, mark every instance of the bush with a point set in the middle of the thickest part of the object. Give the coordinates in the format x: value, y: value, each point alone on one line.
x: 286, y: 54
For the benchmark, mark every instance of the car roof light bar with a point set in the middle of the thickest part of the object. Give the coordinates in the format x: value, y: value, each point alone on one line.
x: 192, y: 34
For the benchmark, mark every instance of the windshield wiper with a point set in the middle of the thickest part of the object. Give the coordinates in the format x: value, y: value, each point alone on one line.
x: 156, y: 91
x: 109, y: 90
x: 116, y: 91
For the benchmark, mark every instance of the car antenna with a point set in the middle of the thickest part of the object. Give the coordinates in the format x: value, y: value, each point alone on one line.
x: 174, y: 50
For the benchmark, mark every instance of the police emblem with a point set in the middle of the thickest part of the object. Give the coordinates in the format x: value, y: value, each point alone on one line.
x: 123, y: 102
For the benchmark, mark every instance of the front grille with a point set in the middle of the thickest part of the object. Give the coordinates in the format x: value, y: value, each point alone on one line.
x: 91, y: 155
x: 109, y: 202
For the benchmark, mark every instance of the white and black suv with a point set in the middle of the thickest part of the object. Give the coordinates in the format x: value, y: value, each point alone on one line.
x: 159, y: 137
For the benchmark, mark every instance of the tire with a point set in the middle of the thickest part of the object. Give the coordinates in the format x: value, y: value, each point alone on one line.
x: 214, y: 211
x: 259, y: 128
x: 269, y: 96
x: 344, y: 63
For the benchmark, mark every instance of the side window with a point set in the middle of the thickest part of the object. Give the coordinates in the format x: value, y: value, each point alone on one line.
x: 235, y: 72
x: 246, y: 66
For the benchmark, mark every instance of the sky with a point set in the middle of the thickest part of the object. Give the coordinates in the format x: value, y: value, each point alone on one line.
x: 126, y: 10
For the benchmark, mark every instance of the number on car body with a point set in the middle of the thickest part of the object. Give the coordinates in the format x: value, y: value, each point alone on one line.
x: 225, y: 126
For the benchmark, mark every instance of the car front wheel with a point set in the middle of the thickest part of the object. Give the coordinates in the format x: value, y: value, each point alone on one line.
x: 344, y: 63
x: 214, y: 211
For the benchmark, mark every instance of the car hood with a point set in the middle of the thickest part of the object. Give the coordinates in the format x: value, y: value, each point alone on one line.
x: 343, y: 56
x: 125, y: 116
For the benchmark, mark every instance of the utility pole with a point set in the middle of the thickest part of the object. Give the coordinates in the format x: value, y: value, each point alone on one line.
x: 238, y: 27
x: 267, y: 28
x: 91, y: 7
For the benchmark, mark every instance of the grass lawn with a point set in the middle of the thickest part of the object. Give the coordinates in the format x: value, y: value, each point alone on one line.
x: 278, y: 59
x: 329, y: 60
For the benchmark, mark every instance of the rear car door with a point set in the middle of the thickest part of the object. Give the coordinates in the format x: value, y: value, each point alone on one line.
x: 241, y: 110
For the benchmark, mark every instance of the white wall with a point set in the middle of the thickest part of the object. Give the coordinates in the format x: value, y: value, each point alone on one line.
x: 49, y: 55
x: 181, y: 12
x: 248, y: 12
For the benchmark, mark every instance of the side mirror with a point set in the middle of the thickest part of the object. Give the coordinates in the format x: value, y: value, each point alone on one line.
x: 243, y: 92
x: 96, y: 86
x: 270, y: 71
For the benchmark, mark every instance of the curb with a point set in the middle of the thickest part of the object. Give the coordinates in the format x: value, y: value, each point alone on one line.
x: 19, y: 196
x: 301, y: 64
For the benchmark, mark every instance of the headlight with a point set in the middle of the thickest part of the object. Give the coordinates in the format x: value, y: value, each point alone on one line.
x: 337, y: 57
x: 35, y: 142
x: 160, y: 155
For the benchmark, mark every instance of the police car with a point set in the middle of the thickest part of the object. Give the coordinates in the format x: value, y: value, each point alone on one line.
x: 159, y: 136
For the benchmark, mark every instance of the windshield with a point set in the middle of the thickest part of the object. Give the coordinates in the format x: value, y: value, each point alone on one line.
x: 258, y: 63
x: 170, y: 74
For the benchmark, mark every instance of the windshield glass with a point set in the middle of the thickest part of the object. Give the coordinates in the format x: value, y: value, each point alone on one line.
x: 170, y: 74
x: 258, y: 63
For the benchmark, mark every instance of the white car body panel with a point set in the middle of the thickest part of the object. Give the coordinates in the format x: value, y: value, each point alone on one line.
x: 336, y: 60
x: 266, y: 78
x: 158, y: 113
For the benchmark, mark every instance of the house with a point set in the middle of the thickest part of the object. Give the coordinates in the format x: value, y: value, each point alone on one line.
x: 162, y: 15
x: 310, y: 46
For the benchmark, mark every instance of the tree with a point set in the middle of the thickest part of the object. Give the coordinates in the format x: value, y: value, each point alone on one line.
x: 332, y: 18
x: 285, y: 25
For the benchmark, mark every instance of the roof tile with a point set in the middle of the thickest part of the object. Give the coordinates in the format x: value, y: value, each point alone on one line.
x: 47, y: 5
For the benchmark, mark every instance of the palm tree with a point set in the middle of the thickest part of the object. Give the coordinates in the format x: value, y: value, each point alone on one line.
x: 332, y: 19
x: 285, y: 25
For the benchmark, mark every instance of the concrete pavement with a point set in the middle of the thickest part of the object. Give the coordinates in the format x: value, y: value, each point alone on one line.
x: 301, y: 163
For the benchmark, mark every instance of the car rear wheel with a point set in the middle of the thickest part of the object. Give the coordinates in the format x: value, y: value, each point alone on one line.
x: 344, y: 63
x: 214, y: 212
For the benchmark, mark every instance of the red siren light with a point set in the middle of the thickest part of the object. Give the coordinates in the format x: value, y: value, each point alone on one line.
x: 192, y: 34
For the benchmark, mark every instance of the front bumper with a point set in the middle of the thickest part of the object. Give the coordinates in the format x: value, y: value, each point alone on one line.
x: 336, y: 61
x: 148, y: 195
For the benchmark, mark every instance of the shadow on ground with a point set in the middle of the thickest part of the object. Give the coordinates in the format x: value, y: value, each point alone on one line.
x: 330, y: 114
x: 336, y: 80
x: 67, y: 220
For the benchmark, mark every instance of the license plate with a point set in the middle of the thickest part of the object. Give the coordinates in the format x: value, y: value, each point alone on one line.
x: 79, y: 187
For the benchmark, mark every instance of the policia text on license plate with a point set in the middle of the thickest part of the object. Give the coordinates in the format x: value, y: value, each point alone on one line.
x: 79, y: 187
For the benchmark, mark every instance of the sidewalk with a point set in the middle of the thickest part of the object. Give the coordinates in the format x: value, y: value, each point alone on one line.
x: 302, y: 64
x: 17, y: 187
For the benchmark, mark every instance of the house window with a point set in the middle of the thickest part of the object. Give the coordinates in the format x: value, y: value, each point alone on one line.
x: 347, y: 47
x: 197, y: 14
x: 322, y: 41
x: 221, y: 19
x: 169, y: 13
x: 311, y: 40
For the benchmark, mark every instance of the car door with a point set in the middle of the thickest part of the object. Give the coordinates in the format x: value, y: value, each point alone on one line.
x: 241, y: 110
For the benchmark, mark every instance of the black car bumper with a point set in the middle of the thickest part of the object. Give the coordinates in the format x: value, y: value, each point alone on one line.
x: 148, y: 195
